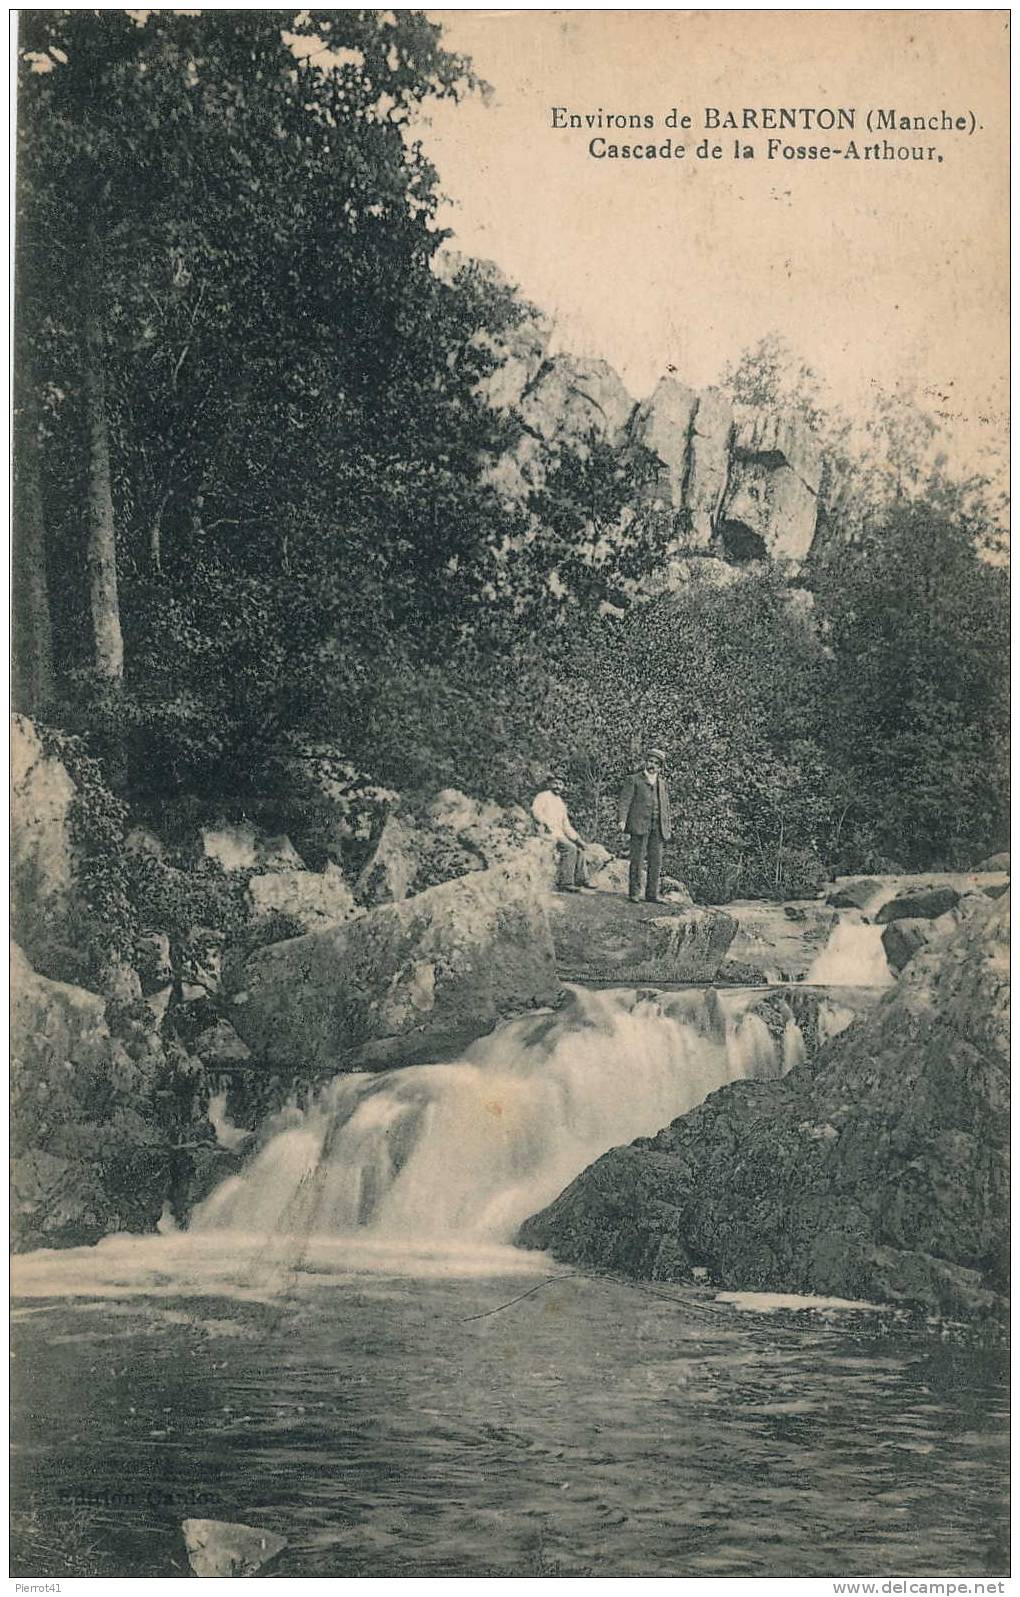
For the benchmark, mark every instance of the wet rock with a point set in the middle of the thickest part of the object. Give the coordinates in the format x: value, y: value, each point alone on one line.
x: 923, y: 903
x: 444, y: 965
x: 784, y: 947
x: 599, y: 937
x: 856, y: 893
x: 309, y: 898
x: 902, y: 938
x: 907, y: 1202
x: 218, y: 1547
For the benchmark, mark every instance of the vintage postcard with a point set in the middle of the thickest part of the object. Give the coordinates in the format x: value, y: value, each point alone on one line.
x: 510, y: 849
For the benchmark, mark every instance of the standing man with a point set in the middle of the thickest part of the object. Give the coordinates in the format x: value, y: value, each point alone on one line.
x: 550, y: 811
x: 644, y: 815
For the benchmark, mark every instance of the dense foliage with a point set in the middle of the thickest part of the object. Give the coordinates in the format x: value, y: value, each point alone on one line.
x: 254, y: 512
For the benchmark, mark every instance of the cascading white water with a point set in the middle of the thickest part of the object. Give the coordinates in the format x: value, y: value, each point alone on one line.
x: 466, y: 1151
x: 852, y: 957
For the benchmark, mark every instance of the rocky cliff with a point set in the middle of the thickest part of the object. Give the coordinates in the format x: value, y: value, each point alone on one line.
x: 877, y: 1169
x: 736, y: 484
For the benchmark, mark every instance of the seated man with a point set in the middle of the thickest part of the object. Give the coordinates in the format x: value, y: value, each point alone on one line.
x: 550, y: 811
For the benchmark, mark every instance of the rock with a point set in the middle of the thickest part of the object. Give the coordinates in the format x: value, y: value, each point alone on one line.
x: 995, y: 862
x: 997, y: 890
x: 766, y: 434
x: 708, y: 467
x: 439, y: 968
x: 663, y: 424
x: 738, y: 973
x: 907, y: 1202
x: 855, y: 893
x: 902, y: 938
x: 389, y: 872
x: 571, y: 398
x: 159, y: 1003
x: 602, y: 938
x: 310, y: 898
x: 598, y: 857
x: 782, y: 946
x: 767, y: 513
x: 41, y: 842
x: 923, y: 903
x: 218, y: 1548
x: 219, y: 1046
x: 87, y: 1155
x: 233, y: 846
x: 278, y: 854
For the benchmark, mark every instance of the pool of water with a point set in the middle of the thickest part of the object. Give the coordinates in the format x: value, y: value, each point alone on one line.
x: 482, y: 1412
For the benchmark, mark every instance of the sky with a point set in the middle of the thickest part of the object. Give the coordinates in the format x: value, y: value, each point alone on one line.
x: 887, y: 273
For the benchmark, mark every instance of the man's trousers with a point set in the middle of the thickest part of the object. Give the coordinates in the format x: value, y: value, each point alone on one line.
x: 648, y: 847
x: 571, y: 865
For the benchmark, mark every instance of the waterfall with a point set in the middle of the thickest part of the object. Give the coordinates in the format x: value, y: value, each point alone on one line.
x: 466, y: 1151
x: 853, y: 956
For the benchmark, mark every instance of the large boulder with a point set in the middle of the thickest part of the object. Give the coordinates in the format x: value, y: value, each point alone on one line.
x: 902, y: 938
x: 431, y: 972
x: 921, y: 903
x: 876, y: 1169
x: 855, y: 892
x: 308, y: 898
x: 603, y: 938
x: 41, y: 845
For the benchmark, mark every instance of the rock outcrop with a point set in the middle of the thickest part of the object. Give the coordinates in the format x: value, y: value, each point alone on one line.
x: 601, y: 937
x: 407, y: 981
x: 876, y: 1169
x: 104, y: 1117
x: 42, y: 856
x: 735, y: 485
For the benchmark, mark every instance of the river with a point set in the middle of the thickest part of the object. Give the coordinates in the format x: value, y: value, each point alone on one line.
x: 390, y: 1417
x: 346, y: 1349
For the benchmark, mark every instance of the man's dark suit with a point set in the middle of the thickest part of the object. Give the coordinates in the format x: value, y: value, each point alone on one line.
x: 644, y: 813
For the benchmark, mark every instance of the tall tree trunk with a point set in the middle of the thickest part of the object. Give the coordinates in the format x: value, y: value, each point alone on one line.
x: 101, y: 554
x: 33, y: 626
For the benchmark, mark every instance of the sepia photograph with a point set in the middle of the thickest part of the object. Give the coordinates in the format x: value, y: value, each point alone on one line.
x: 510, y: 796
